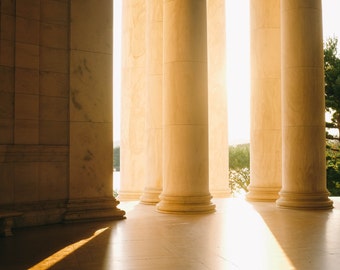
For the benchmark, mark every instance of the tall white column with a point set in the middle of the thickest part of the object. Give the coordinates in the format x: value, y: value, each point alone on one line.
x: 133, y: 138
x: 303, y: 109
x: 265, y: 126
x: 185, y: 109
x: 154, y: 85
x: 217, y: 97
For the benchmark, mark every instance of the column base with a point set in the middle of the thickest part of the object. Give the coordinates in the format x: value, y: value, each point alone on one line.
x: 150, y: 196
x: 221, y: 193
x: 82, y: 210
x: 6, y: 225
x: 262, y: 194
x: 304, y: 201
x: 6, y: 222
x: 128, y: 196
x: 185, y: 204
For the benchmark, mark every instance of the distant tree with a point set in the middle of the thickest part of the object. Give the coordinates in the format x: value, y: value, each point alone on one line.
x: 332, y: 97
x: 239, y: 180
x: 239, y: 171
x: 239, y: 156
x: 332, y: 85
x: 116, y: 159
x: 333, y: 167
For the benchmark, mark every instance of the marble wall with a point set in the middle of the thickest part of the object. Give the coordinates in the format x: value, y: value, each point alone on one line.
x: 34, y: 96
x: 56, y: 109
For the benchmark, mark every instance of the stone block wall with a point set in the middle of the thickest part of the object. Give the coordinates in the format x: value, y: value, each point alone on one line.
x: 56, y: 143
x: 34, y: 108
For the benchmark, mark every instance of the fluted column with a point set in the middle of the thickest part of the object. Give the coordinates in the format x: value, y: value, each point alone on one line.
x: 133, y: 146
x: 154, y: 85
x: 185, y: 109
x: 303, y: 109
x: 265, y: 126
x: 217, y: 92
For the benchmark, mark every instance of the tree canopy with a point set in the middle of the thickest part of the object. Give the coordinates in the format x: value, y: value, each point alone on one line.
x: 239, y: 156
x: 332, y: 84
x: 239, y: 171
x: 332, y: 97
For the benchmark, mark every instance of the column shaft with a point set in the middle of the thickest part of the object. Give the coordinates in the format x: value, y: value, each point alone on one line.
x: 154, y: 82
x: 265, y: 126
x: 303, y: 120
x: 185, y: 109
x: 217, y: 107
x: 133, y: 139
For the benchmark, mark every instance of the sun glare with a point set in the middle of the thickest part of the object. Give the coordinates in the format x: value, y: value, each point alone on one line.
x: 238, y: 63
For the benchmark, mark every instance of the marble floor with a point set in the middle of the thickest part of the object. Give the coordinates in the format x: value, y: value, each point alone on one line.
x: 239, y: 235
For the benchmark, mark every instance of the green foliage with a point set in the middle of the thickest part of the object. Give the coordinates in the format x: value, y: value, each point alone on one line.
x: 332, y: 84
x: 116, y: 159
x: 239, y: 171
x: 239, y: 180
x: 239, y: 156
x: 332, y: 97
x: 333, y: 167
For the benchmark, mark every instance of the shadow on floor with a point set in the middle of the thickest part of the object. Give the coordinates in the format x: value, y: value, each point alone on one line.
x: 60, y: 246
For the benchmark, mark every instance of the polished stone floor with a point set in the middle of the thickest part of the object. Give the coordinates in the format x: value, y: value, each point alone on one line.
x: 239, y: 235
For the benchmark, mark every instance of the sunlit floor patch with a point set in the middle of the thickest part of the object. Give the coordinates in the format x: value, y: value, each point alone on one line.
x: 247, y: 242
x: 239, y: 236
x: 63, y: 253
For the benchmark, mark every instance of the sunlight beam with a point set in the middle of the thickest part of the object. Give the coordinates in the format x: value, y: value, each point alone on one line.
x: 64, y: 252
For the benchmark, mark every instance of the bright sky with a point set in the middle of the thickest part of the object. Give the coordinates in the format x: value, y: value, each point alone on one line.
x: 238, y: 70
x: 237, y: 14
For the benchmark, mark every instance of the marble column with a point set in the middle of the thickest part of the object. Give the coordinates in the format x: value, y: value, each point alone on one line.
x: 91, y: 144
x: 133, y: 137
x: 265, y: 126
x: 154, y: 82
x: 303, y: 109
x: 185, y: 109
x: 217, y: 97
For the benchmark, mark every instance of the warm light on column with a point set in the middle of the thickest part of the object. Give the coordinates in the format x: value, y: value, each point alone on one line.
x: 154, y: 85
x: 265, y: 131
x: 133, y: 137
x: 217, y: 97
x: 303, y: 109
x: 185, y: 109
